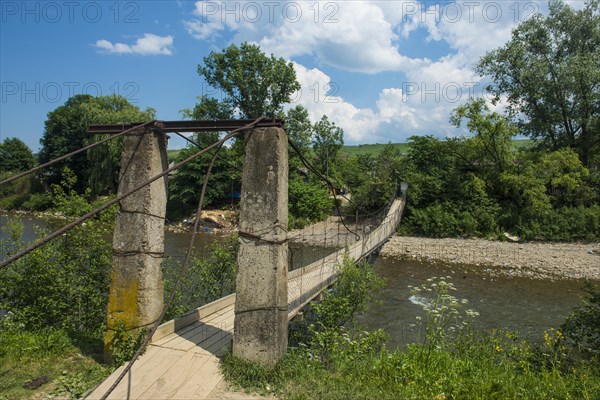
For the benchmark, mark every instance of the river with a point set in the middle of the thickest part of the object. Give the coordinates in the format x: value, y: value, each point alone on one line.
x: 527, y: 306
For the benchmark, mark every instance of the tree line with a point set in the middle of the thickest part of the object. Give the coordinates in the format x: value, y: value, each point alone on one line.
x: 547, y: 76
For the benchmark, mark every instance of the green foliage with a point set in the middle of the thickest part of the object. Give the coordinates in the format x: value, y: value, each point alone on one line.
x: 15, y: 156
x: 492, y: 140
x: 564, y: 176
x: 125, y: 342
x: 299, y: 130
x: 16, y: 194
x: 37, y: 202
x: 479, y: 186
x: 372, y: 181
x: 548, y: 72
x: 445, y: 320
x: 208, y: 278
x: 251, y: 82
x: 353, y: 290
x: 185, y: 186
x: 324, y: 334
x: 66, y: 131
x: 64, y: 283
x: 371, y: 149
x: 309, y: 202
x: 328, y: 140
x: 252, y: 85
x: 582, y: 327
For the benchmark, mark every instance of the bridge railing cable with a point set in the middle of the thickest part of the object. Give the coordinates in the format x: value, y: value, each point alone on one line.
x: 63, y: 157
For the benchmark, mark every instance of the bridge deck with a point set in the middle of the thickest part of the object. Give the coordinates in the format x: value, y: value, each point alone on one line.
x: 182, y: 362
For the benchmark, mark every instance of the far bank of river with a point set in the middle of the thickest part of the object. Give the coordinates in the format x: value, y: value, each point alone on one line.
x: 534, y: 260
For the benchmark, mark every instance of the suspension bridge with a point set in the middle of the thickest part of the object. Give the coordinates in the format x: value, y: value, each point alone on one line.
x: 181, y: 358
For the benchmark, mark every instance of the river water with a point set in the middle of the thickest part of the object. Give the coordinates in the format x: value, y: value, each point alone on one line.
x: 525, y: 305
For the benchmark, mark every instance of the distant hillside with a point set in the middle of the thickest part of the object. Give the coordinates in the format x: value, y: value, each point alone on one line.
x: 172, y: 154
x: 377, y: 148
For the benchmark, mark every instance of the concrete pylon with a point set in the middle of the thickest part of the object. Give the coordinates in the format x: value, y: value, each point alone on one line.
x: 136, y: 281
x: 261, y: 307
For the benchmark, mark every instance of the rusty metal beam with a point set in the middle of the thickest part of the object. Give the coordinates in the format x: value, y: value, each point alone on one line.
x: 225, y: 125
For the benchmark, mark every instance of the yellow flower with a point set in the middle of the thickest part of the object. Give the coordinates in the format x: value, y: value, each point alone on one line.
x: 498, y: 348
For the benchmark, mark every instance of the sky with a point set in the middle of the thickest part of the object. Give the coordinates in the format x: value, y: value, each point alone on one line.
x: 381, y: 70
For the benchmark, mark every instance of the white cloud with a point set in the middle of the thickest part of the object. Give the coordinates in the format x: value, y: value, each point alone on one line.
x: 418, y: 107
x: 374, y: 37
x: 149, y: 44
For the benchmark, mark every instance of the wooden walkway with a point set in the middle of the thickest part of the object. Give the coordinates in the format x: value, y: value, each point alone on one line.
x: 182, y: 361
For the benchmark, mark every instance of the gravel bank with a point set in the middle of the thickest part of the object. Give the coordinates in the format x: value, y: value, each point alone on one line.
x: 537, y: 260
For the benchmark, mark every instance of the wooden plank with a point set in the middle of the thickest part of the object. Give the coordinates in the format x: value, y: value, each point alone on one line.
x: 140, y: 376
x: 208, y: 337
x: 194, y: 376
x: 177, y: 324
x: 201, y: 332
x: 186, y: 331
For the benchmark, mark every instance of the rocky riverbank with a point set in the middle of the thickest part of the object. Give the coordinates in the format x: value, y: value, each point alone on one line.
x: 536, y: 260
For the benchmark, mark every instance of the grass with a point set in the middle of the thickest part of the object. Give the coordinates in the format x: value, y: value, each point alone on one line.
x: 49, y: 359
x: 373, y: 149
x: 172, y: 155
x: 477, y: 372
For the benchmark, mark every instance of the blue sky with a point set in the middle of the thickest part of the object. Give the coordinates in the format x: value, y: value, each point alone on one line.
x: 382, y: 70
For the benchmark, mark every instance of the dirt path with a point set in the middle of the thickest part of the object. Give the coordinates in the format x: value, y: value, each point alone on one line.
x: 538, y: 260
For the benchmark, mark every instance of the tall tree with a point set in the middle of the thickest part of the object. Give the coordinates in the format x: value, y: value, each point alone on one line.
x: 252, y: 84
x: 491, y: 146
x: 549, y: 73
x: 299, y: 130
x: 255, y: 84
x: 66, y: 131
x: 328, y: 140
x: 15, y: 156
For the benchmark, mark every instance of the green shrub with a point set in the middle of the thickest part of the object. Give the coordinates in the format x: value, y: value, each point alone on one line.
x: 208, y: 278
x: 308, y: 203
x: 582, y: 327
x: 63, y: 284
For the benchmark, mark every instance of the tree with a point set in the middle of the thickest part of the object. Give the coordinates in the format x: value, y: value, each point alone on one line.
x: 15, y: 156
x: 549, y: 73
x: 185, y: 185
x: 328, y: 140
x: 491, y: 147
x: 299, y: 130
x: 66, y: 131
x: 254, y: 84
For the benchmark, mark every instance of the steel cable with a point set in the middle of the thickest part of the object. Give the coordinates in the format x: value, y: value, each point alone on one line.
x: 22, y: 174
